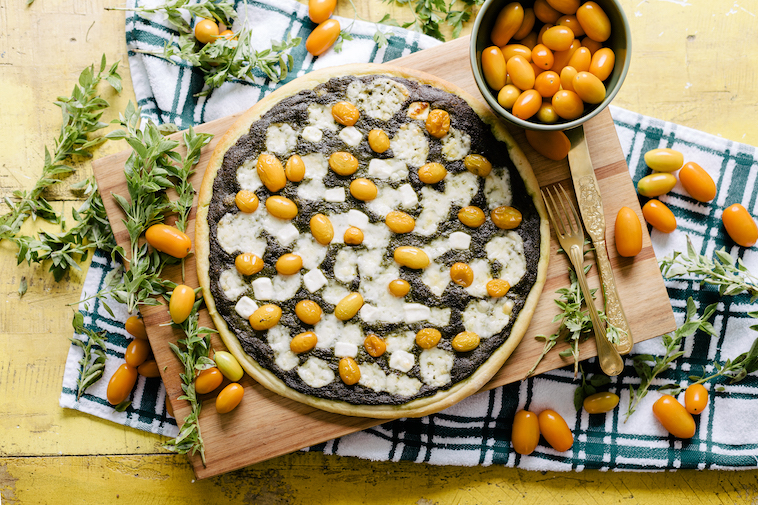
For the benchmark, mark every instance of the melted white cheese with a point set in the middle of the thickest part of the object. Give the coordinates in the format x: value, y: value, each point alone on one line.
x: 482, y: 275
x: 320, y: 116
x: 418, y: 110
x: 247, y: 176
x: 509, y: 251
x: 400, y: 341
x: 486, y: 317
x: 455, y: 145
x: 372, y: 377
x: 312, y: 187
x: 312, y: 134
x: 281, y: 138
x: 410, y: 144
x: 279, y: 339
x: 435, y: 365
x: 232, y: 284
x: 436, y: 277
x: 286, y: 286
x: 459, y: 190
x: 351, y: 136
x: 380, y: 99
x: 497, y: 190
x: 402, y: 360
x: 390, y: 169
x: 311, y: 252
x: 402, y: 385
x: 345, y: 265
x: 316, y: 372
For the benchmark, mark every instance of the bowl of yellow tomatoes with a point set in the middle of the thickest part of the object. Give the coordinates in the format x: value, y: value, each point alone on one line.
x: 550, y: 64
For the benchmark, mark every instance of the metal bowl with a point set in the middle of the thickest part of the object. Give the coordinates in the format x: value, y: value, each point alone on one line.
x: 620, y: 41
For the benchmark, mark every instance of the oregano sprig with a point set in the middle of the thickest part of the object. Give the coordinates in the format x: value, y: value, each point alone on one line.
x: 730, y: 276
x: 193, y: 352
x: 92, y: 364
x: 648, y: 367
x: 175, y: 11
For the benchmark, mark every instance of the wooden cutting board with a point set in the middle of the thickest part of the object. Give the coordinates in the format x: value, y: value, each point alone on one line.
x: 266, y: 425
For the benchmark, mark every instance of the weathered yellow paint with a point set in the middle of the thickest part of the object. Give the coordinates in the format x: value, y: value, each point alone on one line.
x: 694, y: 64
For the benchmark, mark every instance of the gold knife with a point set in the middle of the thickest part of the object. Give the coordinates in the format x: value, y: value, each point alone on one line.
x: 591, y: 208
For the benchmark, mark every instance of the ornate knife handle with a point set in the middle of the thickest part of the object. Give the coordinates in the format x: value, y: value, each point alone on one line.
x: 613, y: 309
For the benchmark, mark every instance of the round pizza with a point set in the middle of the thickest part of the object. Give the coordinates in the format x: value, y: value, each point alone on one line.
x: 370, y: 242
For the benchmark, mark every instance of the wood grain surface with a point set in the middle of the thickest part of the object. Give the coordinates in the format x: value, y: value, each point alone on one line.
x: 693, y: 63
x: 266, y: 425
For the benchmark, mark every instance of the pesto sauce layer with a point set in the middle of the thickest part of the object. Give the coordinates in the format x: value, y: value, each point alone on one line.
x: 293, y: 110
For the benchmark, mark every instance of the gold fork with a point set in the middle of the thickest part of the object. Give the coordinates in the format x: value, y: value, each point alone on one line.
x: 568, y: 228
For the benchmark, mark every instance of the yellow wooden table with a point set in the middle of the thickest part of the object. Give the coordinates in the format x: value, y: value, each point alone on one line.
x: 694, y: 64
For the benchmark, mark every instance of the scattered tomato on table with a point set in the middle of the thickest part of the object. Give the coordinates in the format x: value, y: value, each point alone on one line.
x: 121, y: 384
x: 525, y: 433
x: 628, y: 233
x: 599, y: 403
x: 208, y: 380
x: 555, y: 430
x: 169, y: 240
x: 695, y: 398
x: 674, y: 417
x: 181, y: 302
x: 740, y: 225
x: 229, y: 397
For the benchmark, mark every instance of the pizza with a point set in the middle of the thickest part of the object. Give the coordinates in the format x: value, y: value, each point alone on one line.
x: 370, y: 242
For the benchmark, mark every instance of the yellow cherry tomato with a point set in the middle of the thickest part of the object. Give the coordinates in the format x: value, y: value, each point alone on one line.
x: 206, y: 31
x: 567, y: 77
x: 562, y: 58
x: 664, y: 159
x: 208, y: 380
x: 181, y: 302
x: 322, y: 37
x: 149, y: 369
x: 656, y: 184
x: 659, y: 216
x: 567, y: 104
x: 695, y: 398
x: 594, y: 21
x: 600, y: 403
x: 525, y: 434
x: 529, y: 41
x: 229, y: 397
x: 137, y: 352
x: 674, y: 417
x: 545, y: 13
x: 553, y: 145
x: 320, y: 10
x: 169, y: 240
x: 542, y: 31
x: 135, y: 326
x: 555, y: 430
x: 565, y: 6
x: 628, y: 233
x: 697, y: 182
x: 558, y: 38
x: 547, y: 83
x: 121, y: 383
x: 581, y: 59
x: 740, y: 225
x: 228, y: 365
x: 570, y: 21
x: 507, y: 23
x: 493, y: 67
x: 589, y: 88
x: 543, y: 57
x: 527, y: 104
x: 521, y: 72
x: 511, y: 50
x: 526, y: 25
x: 547, y: 114
x: 592, y: 45
x: 508, y: 95
x: 602, y: 63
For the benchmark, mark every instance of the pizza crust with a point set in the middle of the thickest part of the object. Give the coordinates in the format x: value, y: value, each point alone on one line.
x: 417, y: 407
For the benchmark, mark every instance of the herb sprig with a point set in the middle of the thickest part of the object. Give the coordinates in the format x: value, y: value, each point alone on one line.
x: 152, y: 168
x: 730, y: 276
x: 175, y: 10
x: 575, y: 323
x: 92, y: 363
x: 81, y: 113
x: 588, y: 387
x: 429, y: 15
x: 648, y: 367
x: 194, y: 353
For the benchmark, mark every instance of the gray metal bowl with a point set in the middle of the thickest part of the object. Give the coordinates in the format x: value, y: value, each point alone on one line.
x: 620, y: 41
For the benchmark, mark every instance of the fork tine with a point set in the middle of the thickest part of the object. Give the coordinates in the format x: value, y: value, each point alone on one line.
x: 577, y: 227
x: 560, y: 220
x: 550, y: 205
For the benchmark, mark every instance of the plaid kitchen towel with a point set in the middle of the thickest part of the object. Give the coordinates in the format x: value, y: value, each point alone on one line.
x: 477, y: 430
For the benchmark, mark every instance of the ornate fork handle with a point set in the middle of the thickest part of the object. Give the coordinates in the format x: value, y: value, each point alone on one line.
x: 613, y: 309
